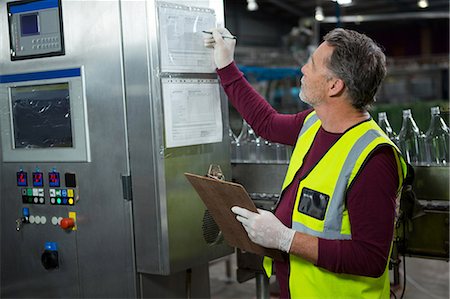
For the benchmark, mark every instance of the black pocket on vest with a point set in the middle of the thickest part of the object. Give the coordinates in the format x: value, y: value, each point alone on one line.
x: 313, y: 203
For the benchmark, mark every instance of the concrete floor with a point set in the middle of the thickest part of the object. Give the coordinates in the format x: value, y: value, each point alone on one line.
x: 425, y: 279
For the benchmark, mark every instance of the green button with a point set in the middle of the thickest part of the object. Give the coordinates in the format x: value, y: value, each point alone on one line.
x: 30, y: 192
x: 58, y: 200
x: 58, y: 192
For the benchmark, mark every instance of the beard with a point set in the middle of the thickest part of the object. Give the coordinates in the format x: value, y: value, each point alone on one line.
x: 308, y: 100
x: 312, y: 99
x: 302, y: 97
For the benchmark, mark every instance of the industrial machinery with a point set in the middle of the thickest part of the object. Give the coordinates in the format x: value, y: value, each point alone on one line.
x: 422, y: 229
x: 103, y: 106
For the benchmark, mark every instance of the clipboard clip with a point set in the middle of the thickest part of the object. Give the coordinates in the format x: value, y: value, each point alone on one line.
x: 215, y: 172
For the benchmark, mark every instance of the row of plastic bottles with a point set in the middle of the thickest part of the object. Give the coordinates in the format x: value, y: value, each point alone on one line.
x: 247, y: 147
x: 429, y: 149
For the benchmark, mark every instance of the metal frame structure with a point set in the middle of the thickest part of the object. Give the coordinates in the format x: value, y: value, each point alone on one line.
x: 139, y: 225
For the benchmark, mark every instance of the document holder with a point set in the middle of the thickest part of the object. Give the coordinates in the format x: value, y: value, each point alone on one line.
x: 219, y: 196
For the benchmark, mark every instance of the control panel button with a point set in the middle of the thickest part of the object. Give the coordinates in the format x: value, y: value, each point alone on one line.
x: 49, y: 258
x: 55, y: 220
x: 70, y: 179
x: 67, y: 223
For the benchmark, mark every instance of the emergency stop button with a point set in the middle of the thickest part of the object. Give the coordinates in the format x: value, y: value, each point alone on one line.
x: 67, y: 223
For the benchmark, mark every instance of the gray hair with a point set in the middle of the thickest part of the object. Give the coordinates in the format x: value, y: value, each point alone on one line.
x: 359, y: 62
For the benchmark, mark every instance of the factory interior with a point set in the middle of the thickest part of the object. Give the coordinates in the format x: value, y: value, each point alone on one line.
x: 120, y: 149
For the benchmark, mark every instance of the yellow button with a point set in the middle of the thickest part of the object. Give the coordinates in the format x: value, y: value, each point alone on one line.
x: 70, y: 201
x: 69, y: 192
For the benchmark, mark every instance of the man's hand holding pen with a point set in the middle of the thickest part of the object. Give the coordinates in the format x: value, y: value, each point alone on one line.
x: 223, y: 43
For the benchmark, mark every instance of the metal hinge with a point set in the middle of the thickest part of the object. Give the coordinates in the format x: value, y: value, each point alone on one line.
x: 126, y: 187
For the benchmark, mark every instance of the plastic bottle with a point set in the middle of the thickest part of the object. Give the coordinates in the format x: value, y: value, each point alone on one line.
x: 437, y: 140
x: 384, y: 124
x: 411, y: 140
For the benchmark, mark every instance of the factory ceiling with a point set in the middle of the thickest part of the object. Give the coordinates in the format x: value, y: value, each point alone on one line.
x: 295, y: 9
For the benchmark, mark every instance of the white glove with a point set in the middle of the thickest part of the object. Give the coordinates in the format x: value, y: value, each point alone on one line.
x: 265, y: 229
x: 223, y: 48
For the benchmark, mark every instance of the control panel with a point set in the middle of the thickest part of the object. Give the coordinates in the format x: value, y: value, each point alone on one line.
x: 35, y: 29
x: 47, y: 188
x: 37, y: 188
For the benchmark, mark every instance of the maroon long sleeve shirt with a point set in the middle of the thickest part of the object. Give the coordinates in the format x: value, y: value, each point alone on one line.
x: 370, y: 200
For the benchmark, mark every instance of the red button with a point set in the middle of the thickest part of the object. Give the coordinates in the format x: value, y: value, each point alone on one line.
x: 67, y: 223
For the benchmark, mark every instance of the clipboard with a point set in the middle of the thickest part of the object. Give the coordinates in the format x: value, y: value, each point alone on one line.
x: 219, y: 196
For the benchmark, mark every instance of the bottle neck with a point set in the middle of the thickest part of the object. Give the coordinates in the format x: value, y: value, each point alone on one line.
x: 409, y: 124
x: 437, y: 125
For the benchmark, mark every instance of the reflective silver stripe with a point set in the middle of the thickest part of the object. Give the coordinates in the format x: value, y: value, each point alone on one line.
x: 299, y: 227
x: 333, y: 218
x: 308, y: 124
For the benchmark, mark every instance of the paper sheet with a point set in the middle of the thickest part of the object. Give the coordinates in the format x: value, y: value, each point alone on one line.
x: 192, y: 112
x: 181, y: 38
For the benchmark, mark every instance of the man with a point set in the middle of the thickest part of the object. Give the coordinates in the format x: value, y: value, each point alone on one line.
x: 336, y: 213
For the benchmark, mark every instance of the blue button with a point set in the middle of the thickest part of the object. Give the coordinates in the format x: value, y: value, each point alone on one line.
x: 53, y: 246
x: 25, y: 212
x: 64, y: 200
x: 64, y: 192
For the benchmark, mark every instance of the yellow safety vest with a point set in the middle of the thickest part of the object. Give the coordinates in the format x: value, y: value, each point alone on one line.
x: 320, y: 209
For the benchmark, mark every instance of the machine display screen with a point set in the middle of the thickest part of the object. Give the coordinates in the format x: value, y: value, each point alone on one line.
x: 22, y: 179
x: 53, y: 179
x: 38, y: 179
x: 29, y: 24
x: 42, y: 116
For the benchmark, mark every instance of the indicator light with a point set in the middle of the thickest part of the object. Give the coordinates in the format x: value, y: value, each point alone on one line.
x: 54, y: 179
x: 22, y: 180
x: 38, y: 179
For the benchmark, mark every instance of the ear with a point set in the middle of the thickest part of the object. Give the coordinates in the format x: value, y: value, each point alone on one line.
x: 335, y: 87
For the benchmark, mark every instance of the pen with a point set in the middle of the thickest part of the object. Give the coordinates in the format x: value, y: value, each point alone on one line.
x: 223, y: 36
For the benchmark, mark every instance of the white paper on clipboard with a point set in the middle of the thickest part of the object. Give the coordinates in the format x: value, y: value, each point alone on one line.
x: 192, y: 111
x: 181, y: 38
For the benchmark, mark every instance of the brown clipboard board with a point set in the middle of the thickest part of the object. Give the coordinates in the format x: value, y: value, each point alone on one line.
x: 219, y: 196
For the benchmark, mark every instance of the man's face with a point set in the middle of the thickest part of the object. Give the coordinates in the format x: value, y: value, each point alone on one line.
x: 315, y: 76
